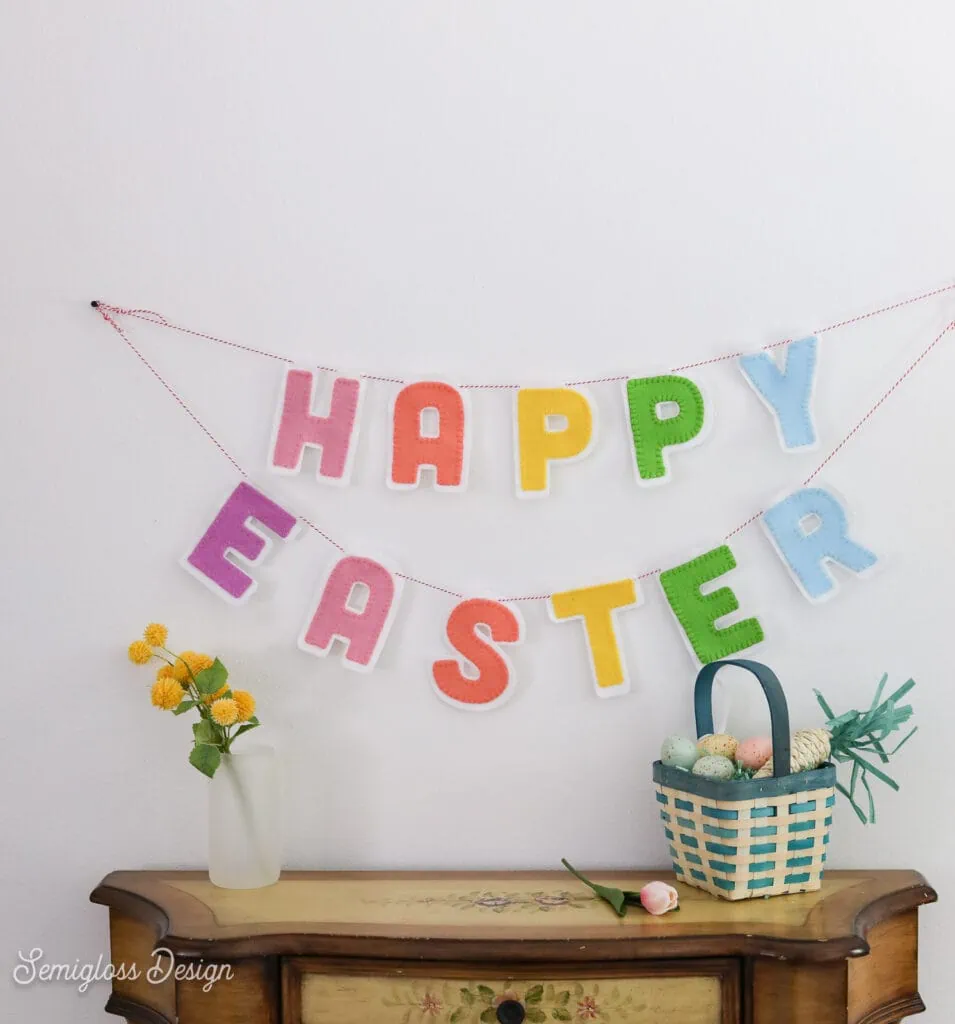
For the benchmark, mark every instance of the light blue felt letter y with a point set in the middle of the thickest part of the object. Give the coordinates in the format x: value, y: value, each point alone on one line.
x: 787, y: 393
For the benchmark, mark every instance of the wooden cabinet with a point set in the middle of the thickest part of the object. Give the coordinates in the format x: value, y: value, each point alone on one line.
x: 469, y: 948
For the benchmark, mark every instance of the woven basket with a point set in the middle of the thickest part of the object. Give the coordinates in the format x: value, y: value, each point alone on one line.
x: 744, y: 838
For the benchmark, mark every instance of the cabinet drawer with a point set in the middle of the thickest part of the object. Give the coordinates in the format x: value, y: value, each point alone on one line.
x: 642, y: 992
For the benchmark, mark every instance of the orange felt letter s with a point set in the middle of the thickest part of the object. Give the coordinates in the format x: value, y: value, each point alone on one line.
x: 492, y: 685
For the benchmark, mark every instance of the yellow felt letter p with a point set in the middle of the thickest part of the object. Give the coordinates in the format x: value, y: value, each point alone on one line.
x: 597, y: 606
x: 539, y: 442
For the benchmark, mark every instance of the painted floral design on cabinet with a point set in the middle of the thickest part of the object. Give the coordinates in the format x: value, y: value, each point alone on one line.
x: 502, y: 902
x: 428, y: 1003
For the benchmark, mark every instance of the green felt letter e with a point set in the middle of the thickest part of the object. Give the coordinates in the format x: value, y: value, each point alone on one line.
x: 698, y: 612
x: 653, y: 433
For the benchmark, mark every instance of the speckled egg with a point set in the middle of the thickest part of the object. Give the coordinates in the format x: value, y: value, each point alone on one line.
x: 714, y: 767
x: 720, y: 744
x: 679, y: 752
x: 755, y: 752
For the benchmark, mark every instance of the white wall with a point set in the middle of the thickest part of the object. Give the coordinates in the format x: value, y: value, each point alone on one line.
x: 493, y: 191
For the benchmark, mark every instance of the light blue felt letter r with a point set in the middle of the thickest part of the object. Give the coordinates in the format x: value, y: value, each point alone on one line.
x: 807, y: 548
x: 788, y: 392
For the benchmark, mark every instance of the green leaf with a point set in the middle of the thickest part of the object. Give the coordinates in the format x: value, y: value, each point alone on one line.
x: 536, y: 1016
x: 845, y: 792
x: 489, y: 1016
x: 615, y: 897
x: 244, y: 728
x: 205, y: 731
x: 213, y: 678
x: 487, y: 994
x: 467, y: 996
x: 827, y: 711
x: 561, y: 1013
x: 865, y: 783
x: 895, y: 750
x: 563, y: 998
x: 184, y: 706
x: 867, y: 766
x: 206, y: 758
x: 254, y: 721
x: 459, y: 1014
x: 534, y: 995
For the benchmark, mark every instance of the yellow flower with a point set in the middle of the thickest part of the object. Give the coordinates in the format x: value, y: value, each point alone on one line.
x: 166, y: 672
x: 166, y: 694
x: 140, y: 652
x: 156, y: 633
x: 245, y: 702
x: 225, y: 711
x: 190, y: 660
x: 221, y: 692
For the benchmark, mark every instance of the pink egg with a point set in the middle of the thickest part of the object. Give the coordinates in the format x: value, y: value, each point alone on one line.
x: 755, y: 751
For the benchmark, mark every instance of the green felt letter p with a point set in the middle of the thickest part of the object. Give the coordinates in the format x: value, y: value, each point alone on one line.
x: 653, y: 433
x: 697, y: 613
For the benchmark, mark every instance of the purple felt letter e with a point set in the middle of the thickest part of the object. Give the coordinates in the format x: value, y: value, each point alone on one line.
x: 230, y: 532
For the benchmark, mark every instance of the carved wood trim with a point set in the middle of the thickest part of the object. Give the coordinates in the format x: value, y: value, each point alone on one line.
x: 135, y: 1013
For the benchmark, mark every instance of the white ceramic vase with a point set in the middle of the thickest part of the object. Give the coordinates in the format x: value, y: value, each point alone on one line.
x: 245, y: 821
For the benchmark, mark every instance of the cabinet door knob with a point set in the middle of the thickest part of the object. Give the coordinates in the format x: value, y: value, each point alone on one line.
x: 510, y: 1011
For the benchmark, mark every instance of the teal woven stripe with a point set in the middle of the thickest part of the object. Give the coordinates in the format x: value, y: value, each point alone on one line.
x: 683, y: 805
x: 759, y: 883
x: 762, y: 865
x: 718, y: 865
x: 763, y: 812
x: 720, y: 812
x: 722, y: 833
x: 799, y: 862
x: 808, y: 805
x: 724, y: 883
x: 665, y: 816
x: 677, y: 869
x: 727, y: 851
x: 763, y: 830
x: 689, y: 841
x: 802, y: 826
x: 693, y: 858
x: 698, y: 874
x: 687, y: 823
x: 668, y: 833
x: 796, y: 879
x: 830, y: 801
x: 801, y: 844
x: 763, y: 848
x: 662, y: 798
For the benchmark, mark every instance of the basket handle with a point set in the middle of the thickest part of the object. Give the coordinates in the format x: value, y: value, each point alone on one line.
x: 778, y: 709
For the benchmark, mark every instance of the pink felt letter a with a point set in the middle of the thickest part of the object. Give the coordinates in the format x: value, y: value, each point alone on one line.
x: 363, y: 630
x: 297, y: 427
x: 230, y: 532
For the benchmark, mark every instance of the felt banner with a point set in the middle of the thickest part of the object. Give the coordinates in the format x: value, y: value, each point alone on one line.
x: 315, y: 428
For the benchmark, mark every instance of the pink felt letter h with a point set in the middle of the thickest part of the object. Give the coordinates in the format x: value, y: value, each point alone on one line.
x: 298, y: 427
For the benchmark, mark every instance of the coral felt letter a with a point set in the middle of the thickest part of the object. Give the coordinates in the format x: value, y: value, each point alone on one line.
x: 446, y: 450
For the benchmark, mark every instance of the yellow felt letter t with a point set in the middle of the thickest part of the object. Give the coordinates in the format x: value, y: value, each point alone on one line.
x: 597, y: 607
x: 539, y: 441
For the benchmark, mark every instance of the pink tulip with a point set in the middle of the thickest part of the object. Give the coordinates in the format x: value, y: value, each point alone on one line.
x: 658, y: 897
